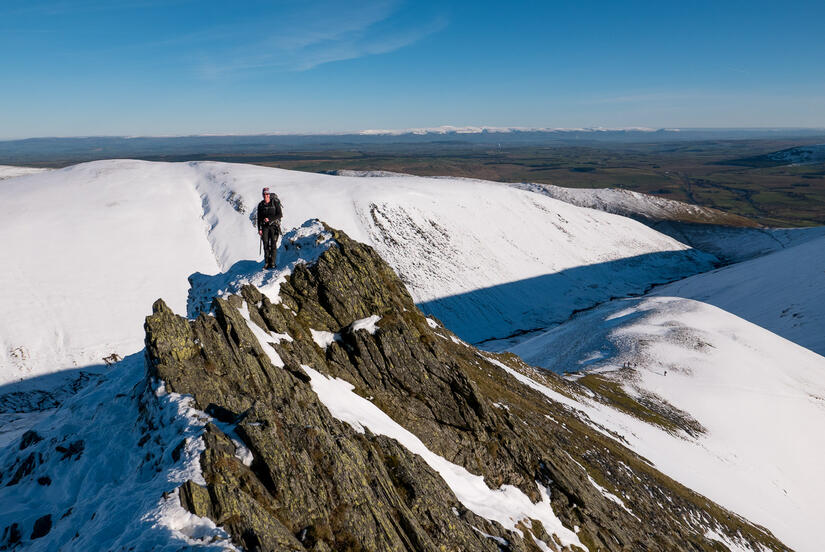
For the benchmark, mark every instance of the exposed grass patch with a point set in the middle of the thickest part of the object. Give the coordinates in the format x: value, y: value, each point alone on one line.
x: 656, y: 412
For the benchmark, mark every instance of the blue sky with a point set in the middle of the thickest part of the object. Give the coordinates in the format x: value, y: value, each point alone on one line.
x: 151, y: 67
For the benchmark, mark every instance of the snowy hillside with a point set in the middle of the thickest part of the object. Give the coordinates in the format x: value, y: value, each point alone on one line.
x: 7, y: 171
x: 79, y: 270
x: 729, y: 237
x: 66, y: 481
x: 783, y: 292
x: 487, y: 259
x: 735, y: 244
x: 758, y: 397
x: 634, y: 204
x: 104, y: 470
x: 126, y: 475
x: 747, y: 386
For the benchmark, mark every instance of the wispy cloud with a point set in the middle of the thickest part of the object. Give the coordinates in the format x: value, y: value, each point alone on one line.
x: 283, y: 36
x: 323, y: 33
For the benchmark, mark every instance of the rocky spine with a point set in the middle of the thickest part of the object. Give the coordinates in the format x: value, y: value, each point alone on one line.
x: 282, y: 473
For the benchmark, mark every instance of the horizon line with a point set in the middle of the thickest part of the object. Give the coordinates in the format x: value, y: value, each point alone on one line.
x: 443, y: 130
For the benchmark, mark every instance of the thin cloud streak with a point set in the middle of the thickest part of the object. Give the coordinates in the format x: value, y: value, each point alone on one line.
x: 317, y: 41
x: 320, y: 22
x: 300, y: 37
x: 357, y: 49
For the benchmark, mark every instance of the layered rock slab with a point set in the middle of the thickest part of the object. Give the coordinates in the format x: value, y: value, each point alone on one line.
x: 315, y: 483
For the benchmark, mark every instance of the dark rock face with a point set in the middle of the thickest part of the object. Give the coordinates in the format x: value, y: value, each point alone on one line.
x: 11, y: 537
x: 42, y: 526
x: 29, y: 438
x: 314, y: 483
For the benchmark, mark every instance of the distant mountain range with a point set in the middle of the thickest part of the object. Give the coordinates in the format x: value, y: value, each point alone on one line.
x: 56, y: 150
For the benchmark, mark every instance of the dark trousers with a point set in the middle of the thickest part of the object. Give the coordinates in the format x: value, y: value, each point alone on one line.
x: 270, y: 237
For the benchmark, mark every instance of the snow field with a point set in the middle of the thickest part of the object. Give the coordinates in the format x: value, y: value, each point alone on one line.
x: 8, y: 171
x: 87, y: 249
x: 728, y: 243
x: 759, y: 397
x: 115, y: 486
x: 783, y: 292
x: 624, y: 202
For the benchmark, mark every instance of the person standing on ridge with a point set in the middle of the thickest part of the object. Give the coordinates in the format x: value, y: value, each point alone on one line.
x: 269, y: 226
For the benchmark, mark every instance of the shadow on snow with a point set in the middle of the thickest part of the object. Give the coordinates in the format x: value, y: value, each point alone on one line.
x: 506, y: 311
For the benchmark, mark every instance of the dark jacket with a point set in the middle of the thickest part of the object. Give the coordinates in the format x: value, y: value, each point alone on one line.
x: 271, y: 211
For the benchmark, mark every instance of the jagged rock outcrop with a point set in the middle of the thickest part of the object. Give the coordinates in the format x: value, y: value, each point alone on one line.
x: 315, y: 483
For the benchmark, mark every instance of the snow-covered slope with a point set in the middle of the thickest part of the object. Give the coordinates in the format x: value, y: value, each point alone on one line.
x: 729, y: 237
x: 759, y: 397
x: 9, y: 171
x: 735, y: 244
x: 105, y: 473
x: 102, y: 451
x: 85, y: 251
x: 100, y: 471
x: 88, y: 248
x: 634, y: 204
x: 783, y: 292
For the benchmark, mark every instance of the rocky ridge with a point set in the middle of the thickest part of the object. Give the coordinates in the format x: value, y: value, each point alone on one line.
x: 282, y: 473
